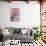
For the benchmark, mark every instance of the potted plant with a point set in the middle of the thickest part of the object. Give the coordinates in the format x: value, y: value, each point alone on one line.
x: 37, y: 33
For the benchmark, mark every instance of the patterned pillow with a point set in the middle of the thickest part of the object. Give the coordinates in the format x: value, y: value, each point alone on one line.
x: 17, y: 30
x: 11, y: 30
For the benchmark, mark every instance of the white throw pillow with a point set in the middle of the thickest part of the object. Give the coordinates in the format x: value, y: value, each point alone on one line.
x: 5, y: 32
x: 23, y: 31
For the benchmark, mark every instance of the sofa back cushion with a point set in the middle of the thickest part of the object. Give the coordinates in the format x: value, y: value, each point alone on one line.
x: 17, y: 30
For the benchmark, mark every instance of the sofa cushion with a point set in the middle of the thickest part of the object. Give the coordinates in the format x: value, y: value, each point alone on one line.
x: 17, y: 30
x: 20, y: 37
x: 23, y: 31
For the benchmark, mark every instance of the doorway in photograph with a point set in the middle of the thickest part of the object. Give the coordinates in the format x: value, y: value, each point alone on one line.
x: 15, y: 14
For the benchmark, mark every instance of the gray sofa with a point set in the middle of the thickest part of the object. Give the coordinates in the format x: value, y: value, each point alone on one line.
x: 15, y: 33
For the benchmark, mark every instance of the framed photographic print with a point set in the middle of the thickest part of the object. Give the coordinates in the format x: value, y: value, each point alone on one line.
x: 15, y: 14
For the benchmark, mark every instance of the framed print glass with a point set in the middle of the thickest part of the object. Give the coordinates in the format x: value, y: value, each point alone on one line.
x: 15, y: 14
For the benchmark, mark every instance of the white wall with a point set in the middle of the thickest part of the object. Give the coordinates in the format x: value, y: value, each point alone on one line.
x: 29, y: 14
